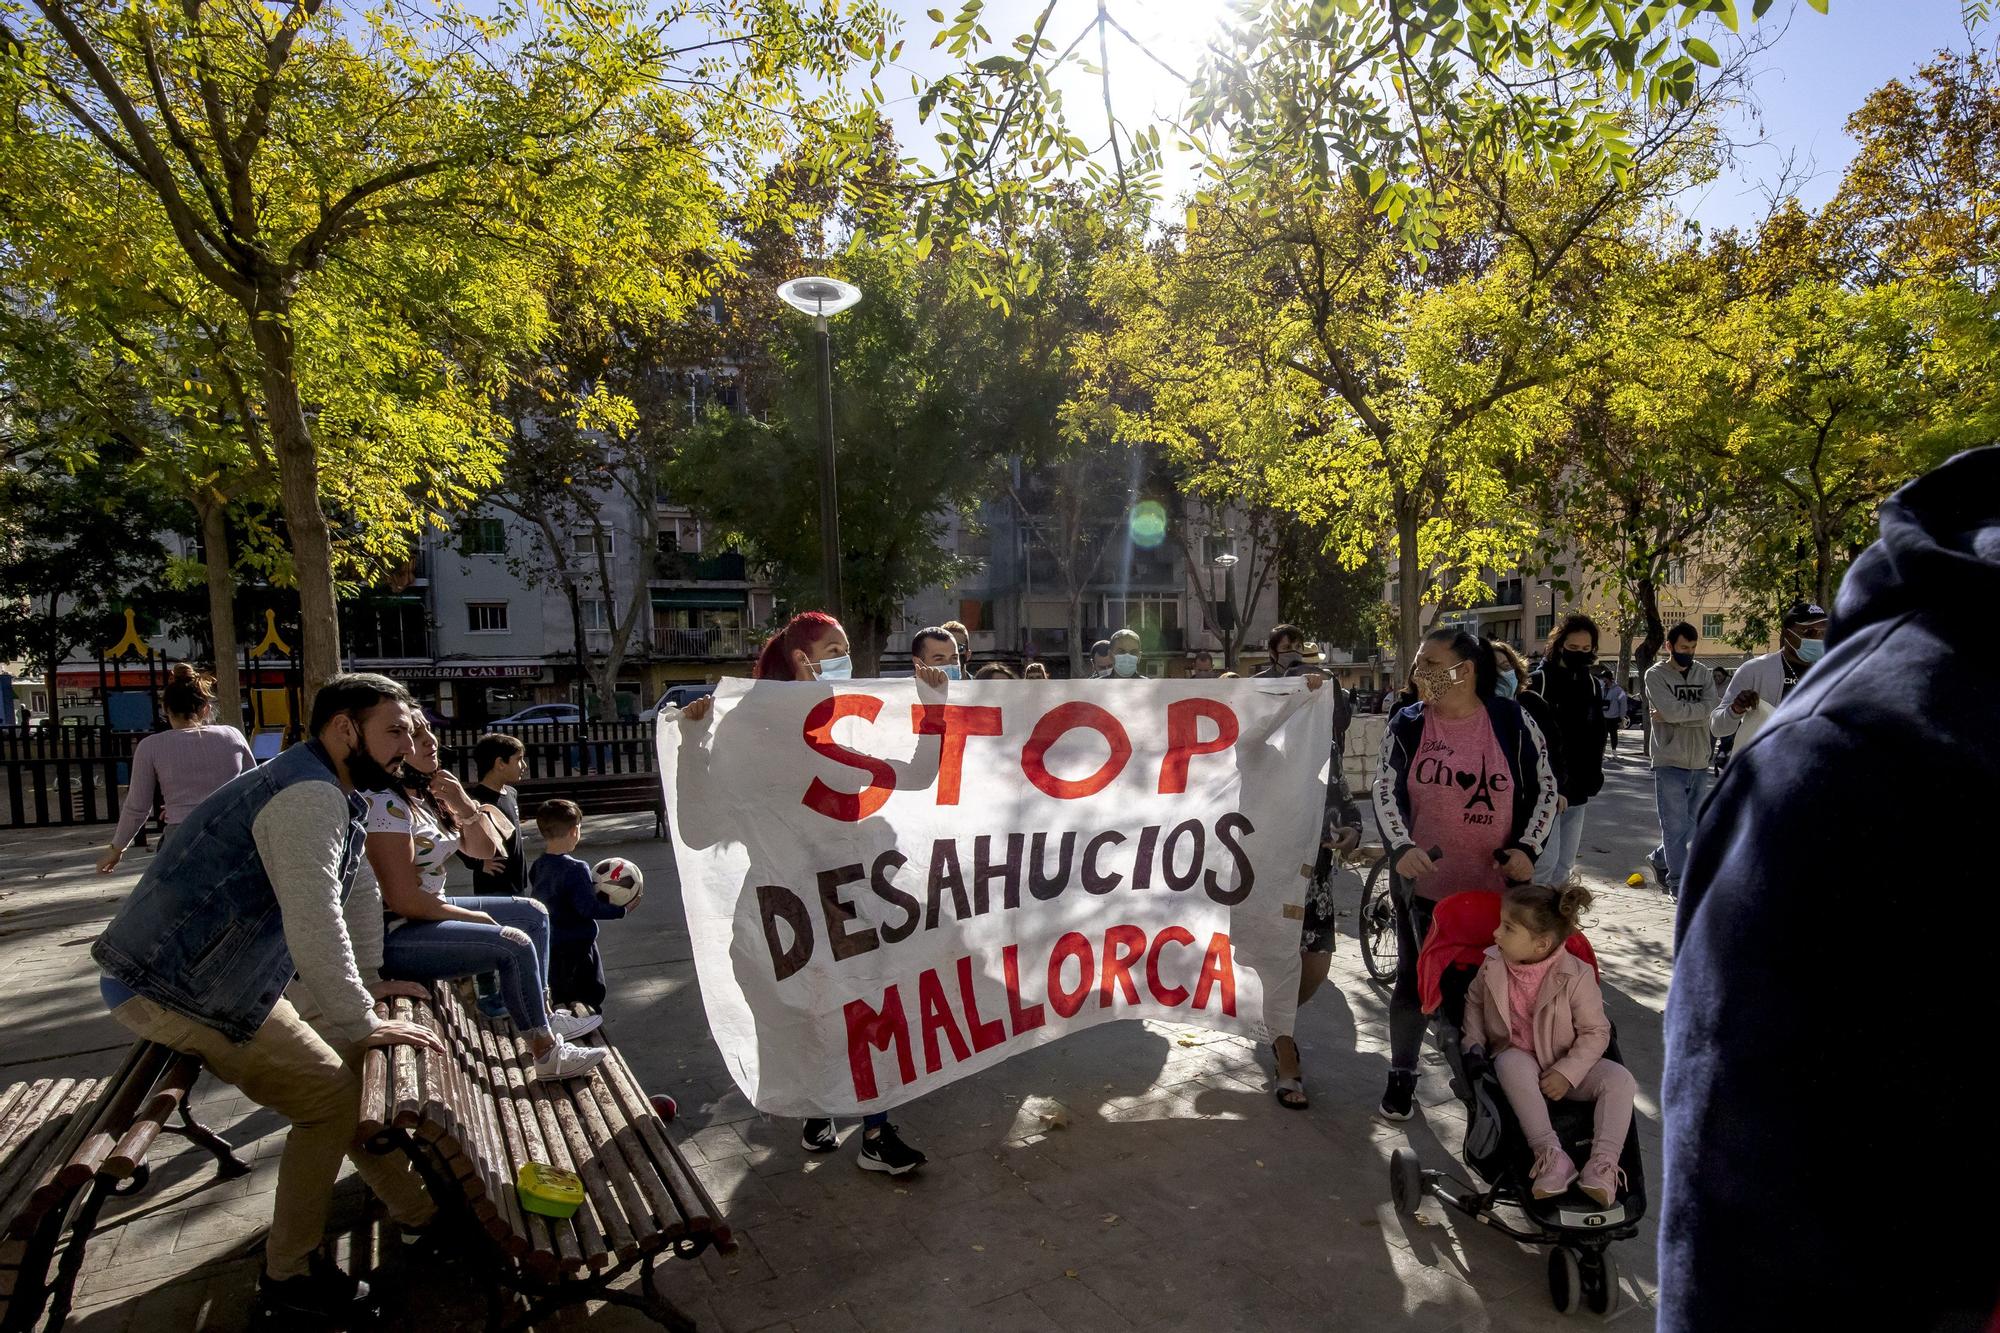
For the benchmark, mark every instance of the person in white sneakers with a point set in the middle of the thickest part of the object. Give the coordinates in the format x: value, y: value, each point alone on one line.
x: 1768, y: 679
x: 416, y: 824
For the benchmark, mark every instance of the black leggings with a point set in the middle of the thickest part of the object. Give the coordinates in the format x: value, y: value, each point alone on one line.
x: 1406, y: 1006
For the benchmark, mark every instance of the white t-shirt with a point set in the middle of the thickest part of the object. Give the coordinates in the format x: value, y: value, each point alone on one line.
x: 392, y: 812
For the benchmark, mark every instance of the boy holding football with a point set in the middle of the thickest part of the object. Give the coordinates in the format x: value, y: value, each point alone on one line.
x: 564, y: 884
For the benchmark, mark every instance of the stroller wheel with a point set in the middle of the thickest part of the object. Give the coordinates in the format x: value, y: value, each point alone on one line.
x: 1565, y: 1281
x: 1406, y: 1181
x: 1600, y: 1282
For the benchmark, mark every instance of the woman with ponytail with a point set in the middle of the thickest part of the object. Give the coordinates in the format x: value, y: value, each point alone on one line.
x: 180, y: 766
x: 1464, y: 772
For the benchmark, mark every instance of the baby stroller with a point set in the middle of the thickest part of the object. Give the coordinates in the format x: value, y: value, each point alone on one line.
x: 1582, y: 1273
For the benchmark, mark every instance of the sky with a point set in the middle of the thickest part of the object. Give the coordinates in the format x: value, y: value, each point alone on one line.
x: 1803, y: 87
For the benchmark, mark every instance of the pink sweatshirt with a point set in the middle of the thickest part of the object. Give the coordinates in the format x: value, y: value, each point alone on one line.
x: 182, y: 767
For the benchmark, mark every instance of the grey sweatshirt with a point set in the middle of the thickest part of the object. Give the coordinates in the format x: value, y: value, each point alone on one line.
x: 301, y: 833
x: 1679, y: 704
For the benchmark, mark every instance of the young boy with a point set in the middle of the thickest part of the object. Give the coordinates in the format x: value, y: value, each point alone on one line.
x: 502, y: 760
x: 563, y: 884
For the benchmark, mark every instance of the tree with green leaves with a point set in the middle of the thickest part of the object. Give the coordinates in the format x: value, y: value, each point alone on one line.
x: 906, y: 452
x: 1322, y: 96
x: 76, y: 547
x: 381, y: 195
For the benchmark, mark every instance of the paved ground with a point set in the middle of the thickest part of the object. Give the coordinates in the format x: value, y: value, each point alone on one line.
x: 1136, y: 1176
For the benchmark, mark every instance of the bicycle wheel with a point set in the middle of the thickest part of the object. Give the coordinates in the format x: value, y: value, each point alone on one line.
x: 1376, y: 926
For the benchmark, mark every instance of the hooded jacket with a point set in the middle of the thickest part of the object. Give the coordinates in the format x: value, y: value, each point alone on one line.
x: 1532, y: 812
x: 1775, y: 1092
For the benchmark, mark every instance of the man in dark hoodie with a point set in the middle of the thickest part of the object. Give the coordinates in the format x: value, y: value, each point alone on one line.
x: 1798, y: 1070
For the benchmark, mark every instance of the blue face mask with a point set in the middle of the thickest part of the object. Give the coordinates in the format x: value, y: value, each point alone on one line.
x: 1811, y: 650
x: 952, y: 672
x: 837, y: 668
x: 1125, y: 664
x: 1509, y: 684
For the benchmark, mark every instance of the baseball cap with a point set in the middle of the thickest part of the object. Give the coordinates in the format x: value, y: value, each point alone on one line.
x: 1804, y: 613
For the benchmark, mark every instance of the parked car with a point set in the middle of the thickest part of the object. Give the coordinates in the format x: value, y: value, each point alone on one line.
x: 677, y: 696
x: 541, y: 715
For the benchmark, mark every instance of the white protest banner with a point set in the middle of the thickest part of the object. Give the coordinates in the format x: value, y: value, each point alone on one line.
x: 889, y: 887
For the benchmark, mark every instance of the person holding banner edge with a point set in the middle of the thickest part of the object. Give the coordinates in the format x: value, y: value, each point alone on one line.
x: 1465, y: 771
x: 813, y: 646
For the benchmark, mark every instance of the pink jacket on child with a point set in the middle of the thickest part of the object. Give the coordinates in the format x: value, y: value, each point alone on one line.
x: 1571, y: 1031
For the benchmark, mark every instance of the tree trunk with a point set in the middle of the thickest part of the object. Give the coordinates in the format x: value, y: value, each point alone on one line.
x: 1076, y: 646
x: 864, y: 642
x: 1822, y: 565
x: 1408, y: 585
x: 221, y: 608
x: 1656, y: 633
x: 298, y: 492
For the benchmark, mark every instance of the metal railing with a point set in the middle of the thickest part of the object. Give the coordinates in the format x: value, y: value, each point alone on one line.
x: 708, y: 641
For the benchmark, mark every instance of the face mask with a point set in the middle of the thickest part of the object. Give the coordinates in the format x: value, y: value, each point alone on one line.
x: 1579, y: 659
x: 1125, y: 664
x: 836, y: 668
x: 1683, y: 660
x: 1811, y: 650
x: 1510, y: 682
x: 1432, y: 684
x: 952, y: 672
x: 1286, y: 661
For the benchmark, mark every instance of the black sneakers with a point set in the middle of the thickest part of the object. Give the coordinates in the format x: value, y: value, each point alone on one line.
x: 323, y: 1291
x: 818, y: 1136
x: 882, y: 1150
x: 1399, y: 1098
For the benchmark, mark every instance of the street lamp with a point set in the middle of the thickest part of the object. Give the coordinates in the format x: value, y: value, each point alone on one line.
x: 822, y: 298
x: 1226, y: 562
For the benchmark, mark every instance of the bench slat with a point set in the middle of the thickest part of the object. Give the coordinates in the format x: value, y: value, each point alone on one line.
x: 608, y: 1160
x: 590, y: 1226
x: 61, y: 1129
x: 171, y: 1090
x: 519, y: 1131
x: 690, y: 1197
x: 569, y: 1241
x: 123, y: 1093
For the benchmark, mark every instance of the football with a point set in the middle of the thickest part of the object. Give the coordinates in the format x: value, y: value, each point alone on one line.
x: 618, y: 881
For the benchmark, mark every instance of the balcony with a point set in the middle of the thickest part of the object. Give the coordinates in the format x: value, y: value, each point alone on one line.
x: 703, y: 644
x: 693, y: 566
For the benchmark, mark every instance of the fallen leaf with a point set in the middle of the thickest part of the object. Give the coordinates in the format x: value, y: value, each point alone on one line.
x: 901, y: 1190
x: 979, y: 1249
x: 1185, y: 1042
x: 1109, y: 1219
x: 1069, y: 1272
x: 1260, y: 1161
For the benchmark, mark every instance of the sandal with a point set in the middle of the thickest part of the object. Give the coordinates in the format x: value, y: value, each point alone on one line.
x: 1290, y: 1092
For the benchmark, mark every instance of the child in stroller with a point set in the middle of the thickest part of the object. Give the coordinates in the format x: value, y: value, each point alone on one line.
x: 1522, y: 1152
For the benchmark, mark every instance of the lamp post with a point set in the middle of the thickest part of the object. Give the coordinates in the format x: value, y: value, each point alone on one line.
x: 822, y: 298
x: 1226, y: 562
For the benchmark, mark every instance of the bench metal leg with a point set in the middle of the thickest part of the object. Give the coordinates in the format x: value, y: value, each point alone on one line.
x: 545, y: 1301
x: 227, y: 1163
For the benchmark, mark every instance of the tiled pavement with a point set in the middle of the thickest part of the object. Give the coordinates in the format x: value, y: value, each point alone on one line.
x: 1134, y: 1176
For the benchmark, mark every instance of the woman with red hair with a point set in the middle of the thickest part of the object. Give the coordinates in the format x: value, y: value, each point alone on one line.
x: 813, y: 647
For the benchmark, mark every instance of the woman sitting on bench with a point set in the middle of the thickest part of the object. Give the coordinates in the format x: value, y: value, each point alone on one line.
x: 413, y: 832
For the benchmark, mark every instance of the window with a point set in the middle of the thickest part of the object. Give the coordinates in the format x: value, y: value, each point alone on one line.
x: 1142, y: 612
x: 1676, y: 571
x: 670, y: 540
x: 596, y: 614
x: 1711, y: 627
x: 486, y: 617
x: 1507, y: 592
x: 588, y: 541
x: 1544, y: 626
x: 482, y: 536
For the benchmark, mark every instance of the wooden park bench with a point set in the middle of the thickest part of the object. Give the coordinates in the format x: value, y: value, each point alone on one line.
x: 471, y: 1117
x: 67, y: 1145
x: 599, y: 794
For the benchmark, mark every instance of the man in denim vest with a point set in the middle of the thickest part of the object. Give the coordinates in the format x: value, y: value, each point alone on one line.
x: 254, y: 888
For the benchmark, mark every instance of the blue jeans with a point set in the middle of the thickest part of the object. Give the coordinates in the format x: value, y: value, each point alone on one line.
x: 440, y: 950
x: 1558, y: 860
x: 1677, y: 794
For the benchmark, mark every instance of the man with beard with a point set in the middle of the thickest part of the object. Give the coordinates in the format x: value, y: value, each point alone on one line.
x: 254, y: 888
